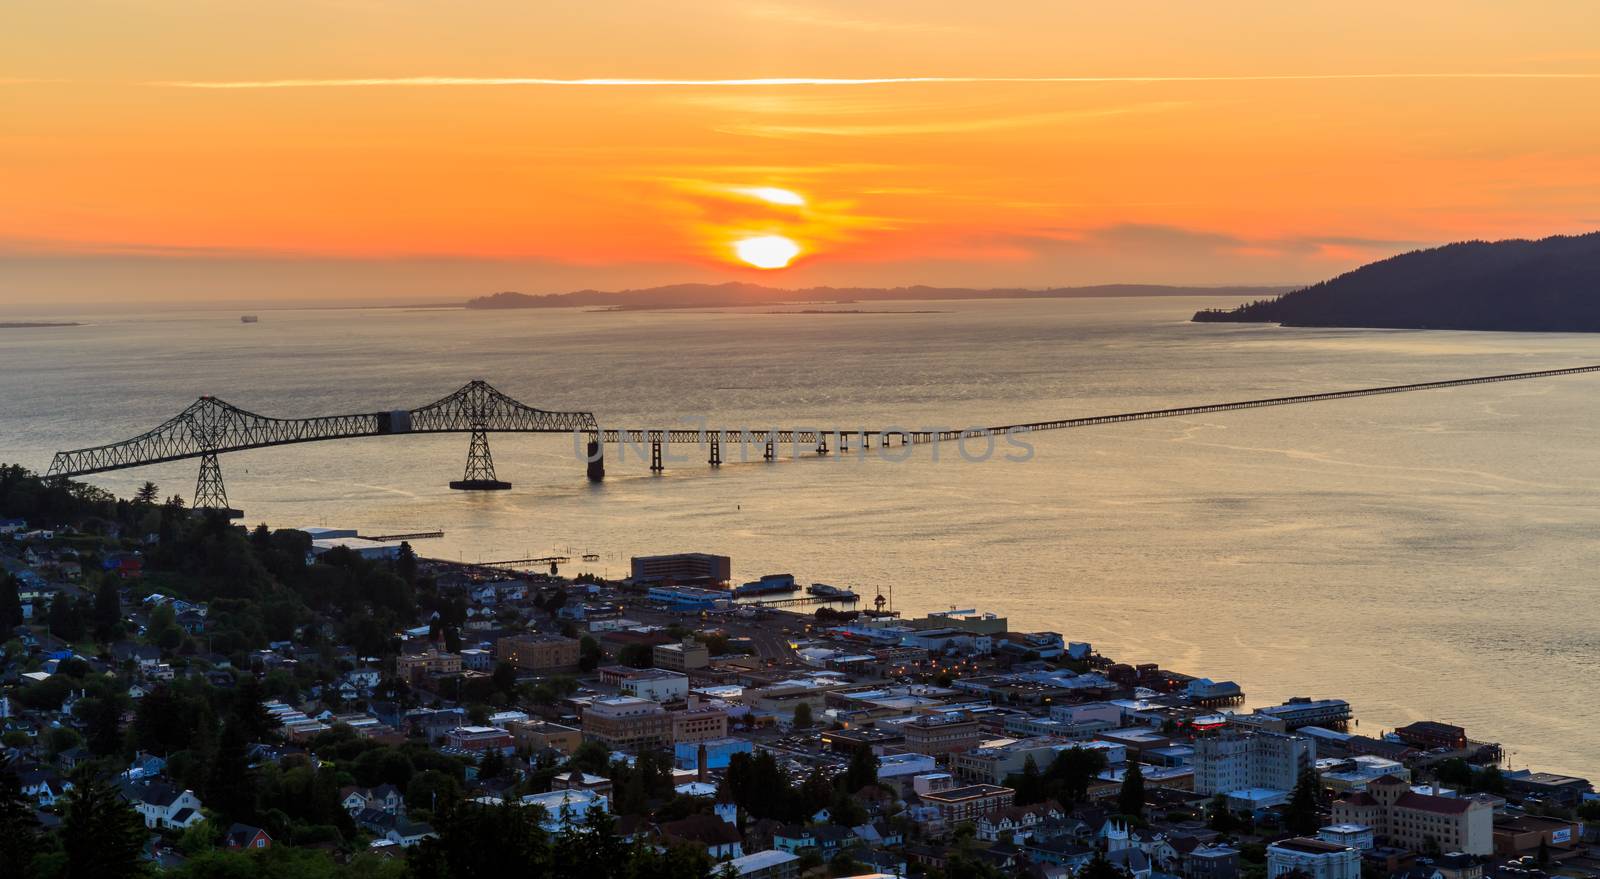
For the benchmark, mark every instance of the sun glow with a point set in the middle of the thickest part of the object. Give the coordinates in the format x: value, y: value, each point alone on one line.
x: 767, y: 251
x: 774, y: 195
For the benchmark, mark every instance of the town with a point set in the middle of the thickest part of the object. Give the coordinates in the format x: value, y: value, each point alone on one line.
x: 182, y: 695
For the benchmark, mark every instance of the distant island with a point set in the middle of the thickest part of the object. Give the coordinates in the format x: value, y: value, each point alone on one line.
x: 735, y: 294
x: 1549, y: 285
x: 34, y: 325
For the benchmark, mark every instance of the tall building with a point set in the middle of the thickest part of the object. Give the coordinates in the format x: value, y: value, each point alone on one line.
x: 937, y: 734
x: 1230, y: 760
x: 628, y: 723
x: 682, y: 656
x: 1405, y: 818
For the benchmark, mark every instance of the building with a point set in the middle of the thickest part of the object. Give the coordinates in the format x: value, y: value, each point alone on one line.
x: 1403, y: 817
x: 939, y: 734
x: 1428, y: 734
x: 1523, y: 834
x: 1356, y: 836
x: 629, y: 723
x: 688, y: 654
x: 537, y: 651
x: 699, y: 725
x: 718, y: 752
x: 1562, y: 790
x: 991, y: 764
x: 245, y: 836
x: 367, y: 549
x: 1228, y: 760
x: 1316, y: 858
x: 477, y: 739
x: 413, y: 667
x: 163, y: 806
x: 566, y: 807
x: 1300, y: 711
x: 655, y: 684
x: 683, y: 567
x: 958, y: 804
x: 770, y: 864
x: 688, y: 599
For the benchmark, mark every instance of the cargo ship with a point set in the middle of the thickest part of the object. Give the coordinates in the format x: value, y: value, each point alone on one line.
x: 248, y: 319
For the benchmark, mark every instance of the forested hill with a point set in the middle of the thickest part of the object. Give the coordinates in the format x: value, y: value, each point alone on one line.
x: 1548, y: 285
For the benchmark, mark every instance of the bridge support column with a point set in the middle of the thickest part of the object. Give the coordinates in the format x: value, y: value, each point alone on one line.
x: 716, y: 452
x: 479, y: 475
x: 655, y: 457
x: 210, y: 496
x: 822, y: 444
x: 597, y: 460
x: 768, y: 454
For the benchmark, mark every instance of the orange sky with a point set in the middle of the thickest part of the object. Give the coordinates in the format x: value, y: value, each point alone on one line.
x: 1143, y: 142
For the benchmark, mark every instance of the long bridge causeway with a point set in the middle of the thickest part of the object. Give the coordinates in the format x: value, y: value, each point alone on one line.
x: 210, y: 427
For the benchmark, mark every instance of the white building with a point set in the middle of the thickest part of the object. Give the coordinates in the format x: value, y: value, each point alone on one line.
x: 564, y: 807
x: 1317, y: 858
x: 1356, y: 836
x: 1231, y: 760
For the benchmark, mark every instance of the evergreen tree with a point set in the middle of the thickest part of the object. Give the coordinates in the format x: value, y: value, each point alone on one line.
x: 102, y: 835
x: 146, y: 495
x: 10, y: 605
x: 1222, y: 817
x: 65, y: 620
x: 863, y: 768
x: 1301, y: 815
x: 1130, y: 800
x: 19, y: 830
x: 1100, y: 868
x: 1028, y: 783
x: 802, y: 715
x: 107, y: 610
x: 405, y: 563
x: 231, y: 789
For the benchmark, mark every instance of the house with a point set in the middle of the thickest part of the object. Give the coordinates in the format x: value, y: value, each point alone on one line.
x: 826, y: 840
x: 244, y: 836
x: 769, y: 864
x: 404, y: 832
x: 162, y: 805
x: 1132, y: 861
x: 721, y: 840
x: 384, y: 798
x: 1015, y: 822
x: 44, y: 785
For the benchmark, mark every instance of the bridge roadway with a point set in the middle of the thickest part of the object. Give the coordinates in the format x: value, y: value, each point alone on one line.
x: 809, y: 436
x: 210, y: 427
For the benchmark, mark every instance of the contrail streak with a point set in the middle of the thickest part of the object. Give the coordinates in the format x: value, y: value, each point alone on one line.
x: 788, y: 81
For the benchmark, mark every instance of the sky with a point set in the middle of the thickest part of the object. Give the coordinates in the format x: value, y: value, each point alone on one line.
x: 393, y: 150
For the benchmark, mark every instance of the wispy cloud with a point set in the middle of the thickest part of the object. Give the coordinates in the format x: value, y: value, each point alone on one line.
x: 951, y: 126
x: 824, y: 81
x: 799, y: 15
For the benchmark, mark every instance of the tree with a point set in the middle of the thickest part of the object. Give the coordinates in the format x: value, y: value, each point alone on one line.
x: 1222, y: 818
x: 589, y: 653
x: 802, y: 715
x: 101, y: 834
x: 1301, y: 815
x: 492, y: 765
x: 636, y: 656
x: 405, y: 563
x: 1028, y: 783
x: 1130, y: 800
x: 10, y: 605
x: 19, y: 830
x: 1100, y: 868
x: 231, y: 789
x: 504, y: 678
x: 107, y: 610
x: 863, y: 769
x: 147, y: 495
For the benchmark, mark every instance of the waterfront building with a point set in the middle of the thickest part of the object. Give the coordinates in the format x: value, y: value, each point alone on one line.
x: 1316, y: 858
x: 1300, y: 711
x: 1229, y: 760
x: 683, y: 567
x: 537, y: 651
x: 1561, y: 790
x: 1427, y: 734
x: 1406, y: 818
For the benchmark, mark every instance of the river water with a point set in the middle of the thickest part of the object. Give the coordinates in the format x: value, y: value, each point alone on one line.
x: 1426, y: 555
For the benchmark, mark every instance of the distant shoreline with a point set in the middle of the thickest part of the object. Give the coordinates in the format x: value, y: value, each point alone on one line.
x: 36, y: 325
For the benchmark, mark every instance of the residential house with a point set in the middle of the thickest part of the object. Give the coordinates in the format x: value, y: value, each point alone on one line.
x: 162, y: 805
x: 244, y: 836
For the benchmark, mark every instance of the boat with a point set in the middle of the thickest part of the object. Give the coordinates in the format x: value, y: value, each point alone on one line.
x: 767, y: 584
x: 832, y: 593
x: 249, y: 319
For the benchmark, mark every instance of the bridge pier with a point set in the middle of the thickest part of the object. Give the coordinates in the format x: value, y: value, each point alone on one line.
x: 768, y: 455
x: 822, y: 444
x: 597, y: 460
x: 655, y: 457
x: 479, y: 475
x: 716, y: 452
x: 210, y: 496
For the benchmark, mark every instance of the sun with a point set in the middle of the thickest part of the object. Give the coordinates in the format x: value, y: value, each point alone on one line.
x: 767, y: 251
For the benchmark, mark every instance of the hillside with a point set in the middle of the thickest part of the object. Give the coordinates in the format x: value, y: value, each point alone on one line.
x: 736, y: 294
x: 1548, y: 285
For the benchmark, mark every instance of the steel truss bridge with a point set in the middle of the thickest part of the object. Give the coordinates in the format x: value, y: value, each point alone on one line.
x: 211, y: 427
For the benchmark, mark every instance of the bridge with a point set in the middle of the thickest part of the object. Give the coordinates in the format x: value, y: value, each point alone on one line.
x: 210, y: 427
